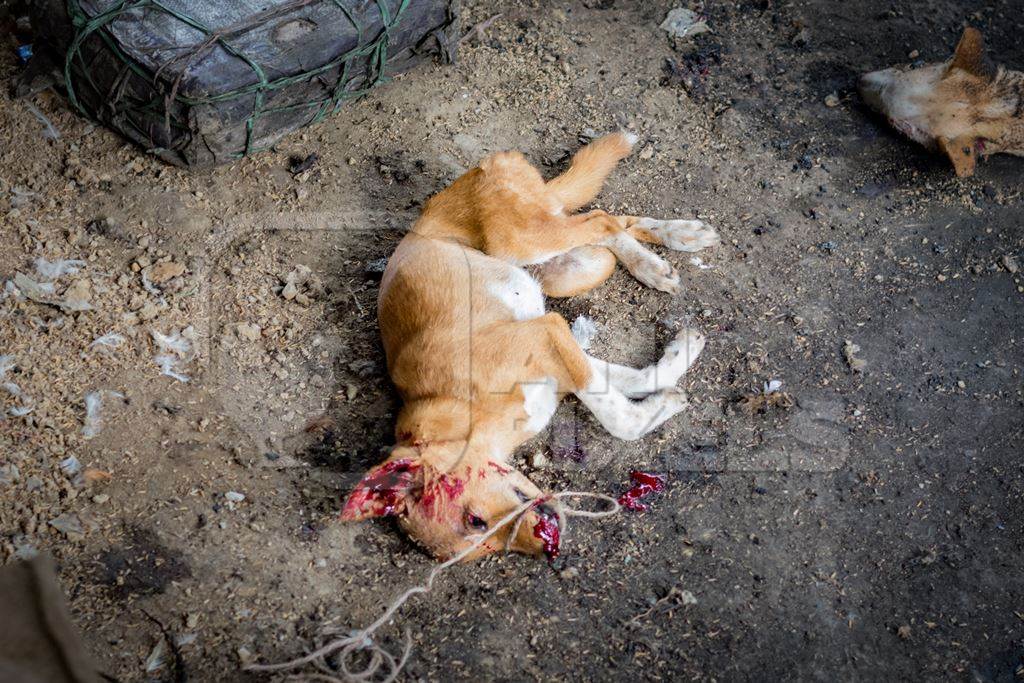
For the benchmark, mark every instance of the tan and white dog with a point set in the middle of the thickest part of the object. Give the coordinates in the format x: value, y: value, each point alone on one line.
x: 481, y: 367
x: 965, y: 107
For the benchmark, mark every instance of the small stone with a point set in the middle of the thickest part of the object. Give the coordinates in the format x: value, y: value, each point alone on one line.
x: 647, y: 152
x: 100, y: 498
x: 537, y: 460
x: 351, y: 391
x: 850, y: 351
x: 234, y: 496
x: 162, y: 272
x: 69, y: 525
x: 940, y: 277
x: 1010, y: 263
x: 149, y: 311
x: 832, y: 100
x: 80, y: 292
x: 903, y: 632
x: 914, y: 54
x: 248, y: 331
x: 569, y: 573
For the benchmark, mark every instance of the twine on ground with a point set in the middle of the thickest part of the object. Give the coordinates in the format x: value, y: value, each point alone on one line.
x: 382, y: 661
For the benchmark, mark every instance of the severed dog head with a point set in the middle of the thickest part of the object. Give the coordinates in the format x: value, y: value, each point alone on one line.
x: 965, y: 107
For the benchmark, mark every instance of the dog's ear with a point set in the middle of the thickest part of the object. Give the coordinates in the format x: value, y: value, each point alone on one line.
x: 970, y: 56
x: 962, y: 152
x: 385, y: 489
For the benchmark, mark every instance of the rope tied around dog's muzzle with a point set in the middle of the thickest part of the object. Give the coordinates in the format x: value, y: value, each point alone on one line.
x: 382, y: 661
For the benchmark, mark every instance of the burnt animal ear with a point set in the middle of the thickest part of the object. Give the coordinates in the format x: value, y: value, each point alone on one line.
x: 970, y: 55
x: 384, y: 490
x: 962, y: 152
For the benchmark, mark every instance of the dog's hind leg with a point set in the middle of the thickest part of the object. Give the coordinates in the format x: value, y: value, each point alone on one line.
x: 576, y: 271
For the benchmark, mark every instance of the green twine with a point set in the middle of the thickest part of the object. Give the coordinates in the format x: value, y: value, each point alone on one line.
x: 85, y: 26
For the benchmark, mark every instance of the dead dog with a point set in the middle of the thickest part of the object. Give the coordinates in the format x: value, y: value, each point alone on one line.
x: 481, y: 367
x: 965, y: 107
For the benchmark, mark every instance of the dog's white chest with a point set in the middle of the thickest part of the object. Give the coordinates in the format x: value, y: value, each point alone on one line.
x: 520, y: 293
x: 540, y: 399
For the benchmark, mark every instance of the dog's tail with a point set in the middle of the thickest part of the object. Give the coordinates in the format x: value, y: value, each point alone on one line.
x: 590, y: 166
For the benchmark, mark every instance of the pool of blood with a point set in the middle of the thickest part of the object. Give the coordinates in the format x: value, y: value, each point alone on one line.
x: 644, y: 484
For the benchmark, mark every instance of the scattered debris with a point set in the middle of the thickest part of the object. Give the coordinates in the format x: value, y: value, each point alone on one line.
x: 691, y: 70
x: 52, y: 271
x: 850, y: 351
x: 50, y: 131
x: 684, y: 23
x: 93, y: 476
x: 376, y: 266
x: 770, y: 397
x: 70, y: 466
x: 6, y: 364
x: 697, y: 261
x: 160, y: 273
x: 299, y: 165
x: 248, y: 331
x: 93, y: 404
x: 675, y: 594
x: 111, y: 340
x: 301, y: 285
x: 155, y: 660
x: 584, y: 330
x: 70, y: 525
x: 76, y: 297
x: 177, y: 349
x: 478, y: 29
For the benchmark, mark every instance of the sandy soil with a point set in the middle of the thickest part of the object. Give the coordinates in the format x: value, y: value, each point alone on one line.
x: 869, y: 528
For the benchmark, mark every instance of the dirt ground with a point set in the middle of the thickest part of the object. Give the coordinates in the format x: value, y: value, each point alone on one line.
x: 868, y: 528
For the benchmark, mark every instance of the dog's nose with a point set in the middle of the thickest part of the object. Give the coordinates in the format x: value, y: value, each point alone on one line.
x: 870, y: 86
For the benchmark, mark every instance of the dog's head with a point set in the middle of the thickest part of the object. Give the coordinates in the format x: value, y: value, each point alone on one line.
x: 445, y: 511
x: 957, y: 106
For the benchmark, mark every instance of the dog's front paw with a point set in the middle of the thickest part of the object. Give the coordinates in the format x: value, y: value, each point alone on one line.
x: 683, y: 235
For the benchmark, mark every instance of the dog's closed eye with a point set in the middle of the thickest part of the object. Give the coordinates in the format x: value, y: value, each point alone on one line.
x: 520, y: 495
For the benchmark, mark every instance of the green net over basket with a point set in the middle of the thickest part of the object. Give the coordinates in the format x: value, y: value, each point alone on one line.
x: 199, y: 82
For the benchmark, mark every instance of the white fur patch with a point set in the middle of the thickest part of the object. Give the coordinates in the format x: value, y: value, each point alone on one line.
x: 631, y: 138
x: 520, y: 293
x: 540, y: 399
x: 681, y: 235
x: 584, y: 330
x: 626, y: 419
